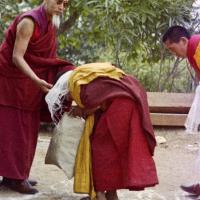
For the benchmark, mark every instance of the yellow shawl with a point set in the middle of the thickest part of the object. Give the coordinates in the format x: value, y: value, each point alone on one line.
x: 197, y: 56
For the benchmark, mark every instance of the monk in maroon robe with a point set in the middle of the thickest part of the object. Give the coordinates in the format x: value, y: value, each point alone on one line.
x: 123, y: 140
x: 28, y: 66
x: 180, y: 42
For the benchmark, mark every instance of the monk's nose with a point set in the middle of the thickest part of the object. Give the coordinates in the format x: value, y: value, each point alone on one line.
x: 61, y: 7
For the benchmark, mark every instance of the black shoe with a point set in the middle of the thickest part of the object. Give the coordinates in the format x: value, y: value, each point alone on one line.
x: 6, y: 181
x: 32, y: 182
x: 21, y: 186
x: 193, y: 189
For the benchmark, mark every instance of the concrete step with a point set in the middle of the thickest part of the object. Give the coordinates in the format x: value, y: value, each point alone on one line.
x: 169, y: 102
x: 168, y: 119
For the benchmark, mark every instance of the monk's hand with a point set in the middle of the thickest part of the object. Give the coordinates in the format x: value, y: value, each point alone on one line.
x: 43, y: 85
x: 76, y: 111
x: 91, y: 111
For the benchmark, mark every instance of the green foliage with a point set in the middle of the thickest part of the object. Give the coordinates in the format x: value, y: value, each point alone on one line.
x: 128, y: 33
x: 124, y: 32
x: 125, y: 26
x: 162, y: 77
x: 8, y: 10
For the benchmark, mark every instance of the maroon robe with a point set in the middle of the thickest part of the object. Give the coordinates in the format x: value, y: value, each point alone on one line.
x: 123, y: 140
x: 191, y: 49
x: 21, y: 101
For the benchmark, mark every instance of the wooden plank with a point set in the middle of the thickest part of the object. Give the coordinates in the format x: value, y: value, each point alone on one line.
x: 169, y: 102
x: 168, y: 119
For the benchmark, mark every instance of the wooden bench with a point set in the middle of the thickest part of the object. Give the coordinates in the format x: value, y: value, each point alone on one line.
x: 166, y: 109
x: 169, y: 109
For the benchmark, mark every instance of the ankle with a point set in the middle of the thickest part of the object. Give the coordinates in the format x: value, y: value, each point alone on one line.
x: 112, y: 195
x: 101, y: 196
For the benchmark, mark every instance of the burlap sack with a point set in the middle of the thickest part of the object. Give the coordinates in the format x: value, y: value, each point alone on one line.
x: 64, y: 143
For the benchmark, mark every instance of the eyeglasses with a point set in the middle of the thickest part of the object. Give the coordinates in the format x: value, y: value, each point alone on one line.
x: 64, y: 2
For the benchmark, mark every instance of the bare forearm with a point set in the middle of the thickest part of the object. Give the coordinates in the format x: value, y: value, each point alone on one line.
x: 24, y: 33
x: 23, y: 66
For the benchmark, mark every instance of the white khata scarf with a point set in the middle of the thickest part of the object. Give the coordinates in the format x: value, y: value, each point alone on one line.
x: 56, y: 96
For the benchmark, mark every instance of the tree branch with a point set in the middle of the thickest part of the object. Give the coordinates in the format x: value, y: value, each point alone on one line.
x: 68, y: 23
x: 170, y: 74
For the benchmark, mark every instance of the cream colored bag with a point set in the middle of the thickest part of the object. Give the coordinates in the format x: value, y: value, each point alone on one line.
x: 64, y: 143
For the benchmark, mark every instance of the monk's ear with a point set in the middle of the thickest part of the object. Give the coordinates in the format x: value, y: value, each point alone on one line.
x: 45, y: 1
x: 184, y: 40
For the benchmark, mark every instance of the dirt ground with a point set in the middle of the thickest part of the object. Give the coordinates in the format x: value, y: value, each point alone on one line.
x: 174, y: 159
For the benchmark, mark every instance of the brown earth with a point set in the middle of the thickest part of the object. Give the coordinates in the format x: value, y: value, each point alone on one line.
x: 174, y: 159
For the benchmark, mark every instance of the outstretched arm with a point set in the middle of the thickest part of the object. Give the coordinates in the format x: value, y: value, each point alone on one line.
x: 23, y: 35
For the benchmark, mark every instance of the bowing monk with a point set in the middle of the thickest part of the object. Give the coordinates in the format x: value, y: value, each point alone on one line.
x: 28, y: 65
x: 184, y: 45
x: 181, y: 43
x: 117, y: 145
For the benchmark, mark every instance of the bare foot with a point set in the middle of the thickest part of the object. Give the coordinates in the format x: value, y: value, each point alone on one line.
x: 101, y: 196
x: 112, y: 195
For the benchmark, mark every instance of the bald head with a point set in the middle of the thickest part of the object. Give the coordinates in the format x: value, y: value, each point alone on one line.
x: 55, y: 7
x: 54, y: 10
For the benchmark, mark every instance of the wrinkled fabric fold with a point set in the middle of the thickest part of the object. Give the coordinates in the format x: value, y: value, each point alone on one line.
x: 121, y: 157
